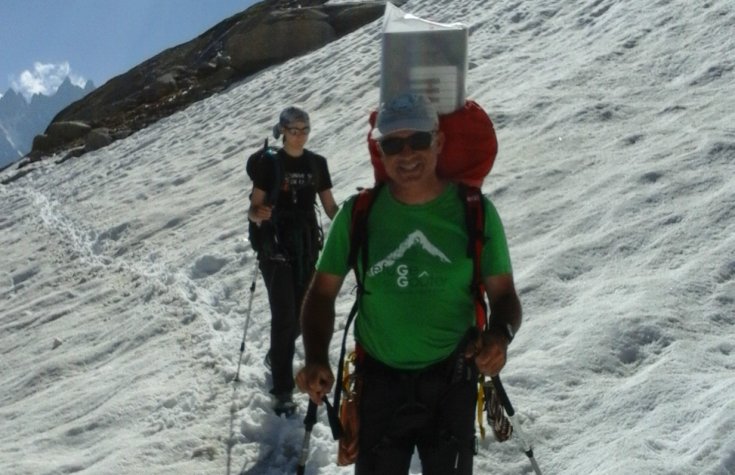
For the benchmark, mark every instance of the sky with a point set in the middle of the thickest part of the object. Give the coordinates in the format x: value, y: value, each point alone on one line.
x: 44, y: 41
x: 125, y: 274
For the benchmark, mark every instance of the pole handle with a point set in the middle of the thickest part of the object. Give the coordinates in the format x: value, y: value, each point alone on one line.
x: 503, y: 396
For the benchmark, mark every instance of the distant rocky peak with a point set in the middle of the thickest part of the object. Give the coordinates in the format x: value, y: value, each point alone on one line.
x: 65, y: 84
x: 21, y: 121
x: 12, y: 100
x: 66, y: 93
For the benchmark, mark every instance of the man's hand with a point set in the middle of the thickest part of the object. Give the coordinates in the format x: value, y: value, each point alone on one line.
x: 316, y: 380
x: 490, y: 351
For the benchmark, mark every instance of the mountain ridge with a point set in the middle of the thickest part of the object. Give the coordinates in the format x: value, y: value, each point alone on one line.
x: 266, y: 34
x: 21, y: 120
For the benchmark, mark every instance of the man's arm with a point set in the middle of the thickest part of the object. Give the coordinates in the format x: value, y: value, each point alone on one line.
x: 505, y: 307
x: 317, y: 326
x: 505, y: 321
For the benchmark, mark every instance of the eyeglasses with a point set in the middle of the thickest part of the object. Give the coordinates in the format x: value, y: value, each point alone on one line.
x: 297, y: 130
x: 417, y: 141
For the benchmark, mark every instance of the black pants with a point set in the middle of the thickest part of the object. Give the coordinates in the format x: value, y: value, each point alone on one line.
x: 285, y: 294
x: 432, y: 410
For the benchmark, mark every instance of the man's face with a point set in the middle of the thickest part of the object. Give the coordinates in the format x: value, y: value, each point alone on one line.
x: 410, y: 157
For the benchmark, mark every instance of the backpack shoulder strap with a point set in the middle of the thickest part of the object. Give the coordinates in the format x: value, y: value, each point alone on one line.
x: 474, y: 207
x: 271, y: 155
x: 359, y: 231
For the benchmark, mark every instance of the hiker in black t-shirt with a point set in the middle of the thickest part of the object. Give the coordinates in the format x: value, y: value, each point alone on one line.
x: 291, y: 238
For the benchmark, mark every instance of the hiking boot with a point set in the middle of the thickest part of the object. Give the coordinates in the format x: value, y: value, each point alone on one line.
x: 283, y: 404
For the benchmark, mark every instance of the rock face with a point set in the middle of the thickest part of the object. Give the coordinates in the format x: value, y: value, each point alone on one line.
x: 267, y: 33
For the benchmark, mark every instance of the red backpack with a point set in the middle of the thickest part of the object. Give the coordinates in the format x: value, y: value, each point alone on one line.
x: 470, y: 146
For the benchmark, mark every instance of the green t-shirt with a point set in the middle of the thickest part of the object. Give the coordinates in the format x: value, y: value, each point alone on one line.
x: 418, y: 303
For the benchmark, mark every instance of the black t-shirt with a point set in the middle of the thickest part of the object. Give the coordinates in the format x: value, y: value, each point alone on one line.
x: 294, y: 215
x: 301, y: 179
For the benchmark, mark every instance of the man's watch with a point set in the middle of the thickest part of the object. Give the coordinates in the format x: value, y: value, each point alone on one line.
x: 506, y: 329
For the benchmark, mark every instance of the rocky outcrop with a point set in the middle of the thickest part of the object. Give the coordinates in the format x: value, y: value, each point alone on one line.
x: 281, y: 35
x: 266, y: 34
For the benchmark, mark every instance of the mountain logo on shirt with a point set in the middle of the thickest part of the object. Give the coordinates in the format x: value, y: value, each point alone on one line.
x: 416, y: 238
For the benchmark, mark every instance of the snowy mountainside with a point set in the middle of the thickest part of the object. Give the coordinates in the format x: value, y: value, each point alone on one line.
x: 125, y: 275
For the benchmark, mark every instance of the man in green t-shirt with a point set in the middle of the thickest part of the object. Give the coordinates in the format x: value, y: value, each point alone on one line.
x: 416, y: 308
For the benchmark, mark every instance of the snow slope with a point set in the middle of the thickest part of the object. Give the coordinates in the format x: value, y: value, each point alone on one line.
x: 125, y: 274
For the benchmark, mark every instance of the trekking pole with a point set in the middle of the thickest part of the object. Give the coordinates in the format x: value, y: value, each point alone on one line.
x: 309, y: 422
x: 505, y: 401
x: 247, y: 319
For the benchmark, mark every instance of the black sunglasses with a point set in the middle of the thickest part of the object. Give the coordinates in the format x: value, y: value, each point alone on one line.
x: 417, y: 141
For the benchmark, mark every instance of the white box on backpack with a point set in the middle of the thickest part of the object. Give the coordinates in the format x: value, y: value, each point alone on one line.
x: 423, y: 57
